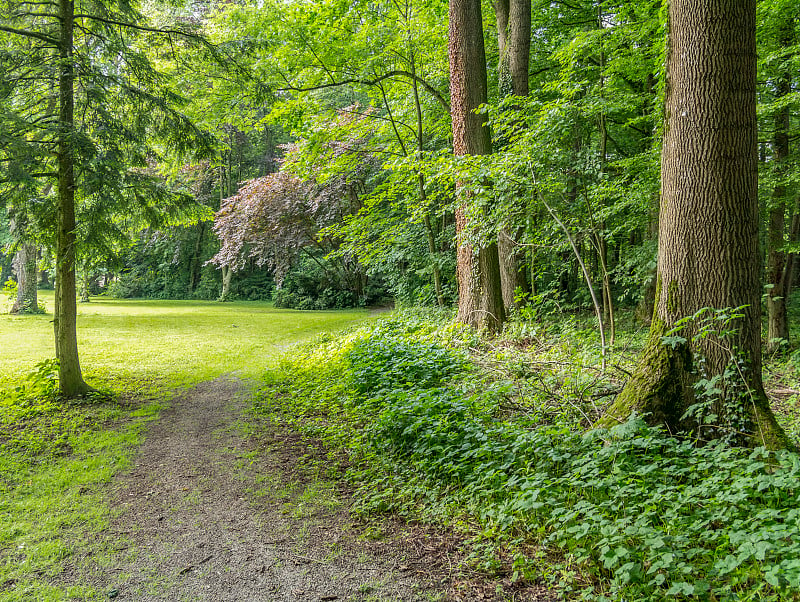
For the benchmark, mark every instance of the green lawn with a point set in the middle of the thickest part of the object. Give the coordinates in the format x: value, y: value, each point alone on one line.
x: 181, y: 341
x: 57, y: 456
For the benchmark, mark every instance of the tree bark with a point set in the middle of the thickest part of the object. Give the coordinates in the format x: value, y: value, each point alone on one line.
x: 227, y: 274
x: 24, y: 265
x: 514, y: 44
x: 70, y: 378
x: 708, y: 234
x: 85, y: 283
x: 480, y: 299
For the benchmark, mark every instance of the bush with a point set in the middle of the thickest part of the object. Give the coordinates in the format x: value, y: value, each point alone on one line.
x: 630, y: 511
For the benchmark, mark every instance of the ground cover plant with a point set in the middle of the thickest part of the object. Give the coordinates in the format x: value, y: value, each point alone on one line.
x: 438, y: 425
x: 57, y: 456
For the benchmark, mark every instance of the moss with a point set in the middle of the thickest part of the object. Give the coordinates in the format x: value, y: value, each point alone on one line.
x: 655, y: 389
x: 660, y: 388
x: 768, y: 433
x: 673, y: 299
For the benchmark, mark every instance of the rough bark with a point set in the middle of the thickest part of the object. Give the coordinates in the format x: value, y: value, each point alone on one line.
x: 70, y: 378
x: 480, y: 300
x: 514, y: 43
x: 513, y: 271
x: 708, y: 234
x: 24, y: 265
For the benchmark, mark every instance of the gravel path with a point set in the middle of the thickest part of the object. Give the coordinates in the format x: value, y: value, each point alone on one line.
x: 210, y: 512
x: 190, y: 525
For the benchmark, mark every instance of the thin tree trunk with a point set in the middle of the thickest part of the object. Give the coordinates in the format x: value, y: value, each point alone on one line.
x: 194, y: 266
x: 480, y: 299
x: 514, y: 43
x: 227, y: 274
x: 85, y: 283
x: 790, y: 268
x: 777, y: 317
x: 708, y: 234
x: 70, y: 378
x: 429, y: 232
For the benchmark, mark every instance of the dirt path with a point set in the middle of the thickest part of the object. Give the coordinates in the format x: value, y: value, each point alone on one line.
x: 191, y: 526
x: 212, y: 512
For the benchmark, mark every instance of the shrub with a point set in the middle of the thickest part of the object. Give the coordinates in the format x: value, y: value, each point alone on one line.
x: 629, y: 511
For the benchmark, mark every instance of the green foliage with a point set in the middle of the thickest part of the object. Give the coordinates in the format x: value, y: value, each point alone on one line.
x: 628, y: 511
x: 10, y: 290
x: 720, y: 409
x: 383, y: 362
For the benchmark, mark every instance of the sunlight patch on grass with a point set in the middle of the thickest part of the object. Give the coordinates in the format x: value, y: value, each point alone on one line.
x: 56, y: 457
x: 183, y: 342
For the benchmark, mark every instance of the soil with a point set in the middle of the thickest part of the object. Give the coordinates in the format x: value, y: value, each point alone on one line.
x: 213, y: 509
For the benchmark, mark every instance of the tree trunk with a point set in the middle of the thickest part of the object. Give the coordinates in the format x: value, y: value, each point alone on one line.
x: 480, y: 300
x: 429, y: 231
x: 779, y: 286
x: 194, y: 266
x: 708, y: 235
x: 24, y: 265
x: 85, y: 283
x: 70, y: 378
x: 513, y: 272
x: 227, y: 274
x: 514, y: 44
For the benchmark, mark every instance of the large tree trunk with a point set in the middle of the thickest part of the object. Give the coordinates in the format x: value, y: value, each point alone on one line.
x: 480, y: 300
x: 24, y: 265
x: 70, y: 379
x: 708, y: 234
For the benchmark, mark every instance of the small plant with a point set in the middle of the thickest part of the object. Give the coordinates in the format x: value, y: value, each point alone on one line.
x: 625, y: 513
x: 10, y: 290
x: 721, y: 400
x: 43, y: 380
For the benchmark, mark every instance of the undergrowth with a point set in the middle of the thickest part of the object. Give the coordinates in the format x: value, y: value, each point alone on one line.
x: 55, y: 458
x: 439, y: 426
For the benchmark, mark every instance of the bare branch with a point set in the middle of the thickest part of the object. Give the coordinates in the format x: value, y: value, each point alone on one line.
x: 374, y: 82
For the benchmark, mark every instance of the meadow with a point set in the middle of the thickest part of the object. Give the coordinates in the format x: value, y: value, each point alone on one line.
x: 182, y: 342
x: 58, y: 457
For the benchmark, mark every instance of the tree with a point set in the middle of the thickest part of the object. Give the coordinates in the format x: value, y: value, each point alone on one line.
x: 100, y: 154
x: 701, y: 366
x: 480, y: 299
x: 25, y: 267
x: 514, y: 45
x: 279, y: 219
x: 778, y: 63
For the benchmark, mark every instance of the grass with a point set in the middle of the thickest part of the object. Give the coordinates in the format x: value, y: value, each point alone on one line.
x: 184, y: 342
x: 57, y: 457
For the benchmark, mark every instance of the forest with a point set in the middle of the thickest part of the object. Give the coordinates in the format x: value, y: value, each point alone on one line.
x: 520, y: 270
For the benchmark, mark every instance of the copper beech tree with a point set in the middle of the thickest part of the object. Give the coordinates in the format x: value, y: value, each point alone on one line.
x: 275, y: 219
x: 701, y: 367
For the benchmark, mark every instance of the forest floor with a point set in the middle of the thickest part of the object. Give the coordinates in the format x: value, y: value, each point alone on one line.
x: 215, y: 509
